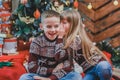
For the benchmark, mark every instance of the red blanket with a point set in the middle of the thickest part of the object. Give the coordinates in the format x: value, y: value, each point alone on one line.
x: 16, y: 70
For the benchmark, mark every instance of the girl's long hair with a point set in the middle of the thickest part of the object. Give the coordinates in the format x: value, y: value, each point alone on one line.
x: 77, y: 28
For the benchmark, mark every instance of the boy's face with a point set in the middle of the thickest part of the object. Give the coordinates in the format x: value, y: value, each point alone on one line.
x: 51, y: 27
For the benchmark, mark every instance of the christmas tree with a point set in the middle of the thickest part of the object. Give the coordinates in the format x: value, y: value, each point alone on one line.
x: 115, y: 52
x: 26, y: 17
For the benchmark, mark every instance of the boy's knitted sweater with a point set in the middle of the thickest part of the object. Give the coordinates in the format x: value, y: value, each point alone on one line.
x: 45, y: 55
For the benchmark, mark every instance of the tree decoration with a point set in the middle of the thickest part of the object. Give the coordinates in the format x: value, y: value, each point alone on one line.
x: 57, y: 6
x: 26, y: 17
x: 115, y: 2
x: 115, y: 52
x: 89, y: 6
x: 36, y: 14
x: 76, y: 4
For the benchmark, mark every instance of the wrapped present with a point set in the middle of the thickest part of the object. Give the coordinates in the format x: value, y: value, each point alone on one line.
x: 1, y: 40
x: 1, y: 4
x: 5, y: 15
x: 10, y: 46
x: 5, y: 28
x: 7, y: 4
x: 0, y: 49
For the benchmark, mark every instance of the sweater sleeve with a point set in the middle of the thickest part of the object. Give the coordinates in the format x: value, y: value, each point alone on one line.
x: 61, y: 72
x: 61, y: 56
x: 32, y: 63
x: 33, y: 57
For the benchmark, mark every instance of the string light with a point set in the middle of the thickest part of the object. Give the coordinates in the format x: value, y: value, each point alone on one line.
x: 24, y: 43
x: 89, y: 6
x: 115, y: 2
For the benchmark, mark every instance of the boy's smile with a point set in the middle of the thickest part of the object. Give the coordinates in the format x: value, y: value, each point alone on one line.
x: 51, y: 27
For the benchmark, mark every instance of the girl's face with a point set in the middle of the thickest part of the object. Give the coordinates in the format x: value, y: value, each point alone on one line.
x: 66, y: 25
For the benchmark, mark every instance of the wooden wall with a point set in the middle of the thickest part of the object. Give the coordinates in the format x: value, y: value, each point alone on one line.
x: 102, y: 21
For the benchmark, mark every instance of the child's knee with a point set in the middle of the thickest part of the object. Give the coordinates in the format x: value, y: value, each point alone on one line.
x: 104, y: 69
x: 103, y: 65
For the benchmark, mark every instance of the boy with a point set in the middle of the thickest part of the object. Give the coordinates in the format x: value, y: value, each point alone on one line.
x: 45, y: 52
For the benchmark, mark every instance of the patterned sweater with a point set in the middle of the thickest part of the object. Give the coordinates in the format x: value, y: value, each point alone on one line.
x: 45, y: 55
x: 76, y: 49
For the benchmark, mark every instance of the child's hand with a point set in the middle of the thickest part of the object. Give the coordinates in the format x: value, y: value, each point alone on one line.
x: 40, y: 78
x: 59, y: 66
x: 23, y: 1
x: 61, y: 31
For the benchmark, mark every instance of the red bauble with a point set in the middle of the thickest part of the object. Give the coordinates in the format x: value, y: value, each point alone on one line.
x: 76, y: 4
x: 37, y: 14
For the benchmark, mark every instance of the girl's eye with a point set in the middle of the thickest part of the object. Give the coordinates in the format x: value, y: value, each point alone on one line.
x: 56, y: 26
x: 64, y: 22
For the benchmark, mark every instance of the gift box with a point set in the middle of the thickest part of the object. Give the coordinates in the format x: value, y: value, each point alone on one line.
x: 5, y: 28
x: 1, y: 49
x: 5, y: 15
x: 1, y: 40
x: 10, y: 46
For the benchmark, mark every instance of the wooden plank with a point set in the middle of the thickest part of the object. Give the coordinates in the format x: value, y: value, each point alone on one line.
x: 88, y: 1
x: 106, y: 10
x: 90, y: 25
x: 88, y: 12
x: 90, y: 36
x: 99, y: 3
x: 108, y: 33
x: 115, y: 42
x: 110, y: 20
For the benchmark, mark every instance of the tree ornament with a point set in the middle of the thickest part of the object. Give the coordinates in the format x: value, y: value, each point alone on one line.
x: 26, y: 19
x: 37, y: 14
x: 57, y: 6
x: 76, y: 4
x: 115, y: 2
x: 89, y: 6
x: 67, y: 3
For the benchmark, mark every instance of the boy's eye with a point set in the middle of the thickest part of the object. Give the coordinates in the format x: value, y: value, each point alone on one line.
x: 48, y: 26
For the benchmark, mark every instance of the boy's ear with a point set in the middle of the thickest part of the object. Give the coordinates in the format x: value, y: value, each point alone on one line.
x: 41, y: 26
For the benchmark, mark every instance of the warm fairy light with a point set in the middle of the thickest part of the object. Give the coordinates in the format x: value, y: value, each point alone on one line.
x: 24, y: 43
x: 115, y: 2
x: 89, y: 6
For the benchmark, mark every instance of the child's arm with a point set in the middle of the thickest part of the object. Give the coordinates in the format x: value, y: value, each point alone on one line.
x: 59, y: 66
x: 33, y: 58
x: 61, y: 57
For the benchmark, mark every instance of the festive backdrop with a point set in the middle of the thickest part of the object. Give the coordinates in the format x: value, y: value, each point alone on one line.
x: 26, y: 19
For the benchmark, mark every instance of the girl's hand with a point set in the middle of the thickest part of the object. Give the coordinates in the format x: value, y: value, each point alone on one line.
x: 59, y: 66
x: 23, y: 1
x: 61, y: 32
x: 40, y: 78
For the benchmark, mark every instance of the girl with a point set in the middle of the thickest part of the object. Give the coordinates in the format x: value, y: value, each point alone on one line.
x: 81, y: 49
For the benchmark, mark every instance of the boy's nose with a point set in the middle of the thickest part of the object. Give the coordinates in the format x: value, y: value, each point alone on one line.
x: 53, y: 29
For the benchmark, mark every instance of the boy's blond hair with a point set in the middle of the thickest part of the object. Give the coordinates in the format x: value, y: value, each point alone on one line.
x: 49, y: 13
